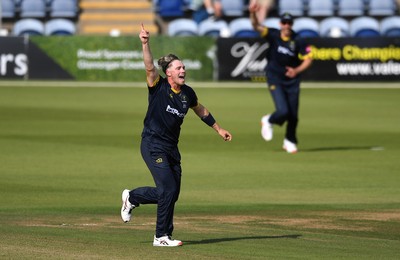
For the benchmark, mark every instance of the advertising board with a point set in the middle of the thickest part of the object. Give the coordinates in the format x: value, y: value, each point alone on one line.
x: 335, y: 59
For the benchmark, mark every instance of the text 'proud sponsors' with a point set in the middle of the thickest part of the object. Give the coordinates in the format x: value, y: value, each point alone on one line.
x: 109, y: 60
x: 13, y: 58
x: 334, y: 59
x: 16, y: 64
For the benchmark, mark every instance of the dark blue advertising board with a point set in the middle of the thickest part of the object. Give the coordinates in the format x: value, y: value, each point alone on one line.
x: 13, y: 58
x: 335, y: 59
x: 22, y: 59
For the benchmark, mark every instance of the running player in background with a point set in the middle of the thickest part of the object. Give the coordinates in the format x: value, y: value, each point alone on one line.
x: 288, y: 56
x: 169, y: 101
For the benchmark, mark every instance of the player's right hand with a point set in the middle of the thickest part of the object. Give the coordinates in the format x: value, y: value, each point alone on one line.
x: 144, y: 35
x: 253, y: 7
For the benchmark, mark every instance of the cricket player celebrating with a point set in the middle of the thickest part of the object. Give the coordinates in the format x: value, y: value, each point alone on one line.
x: 169, y: 100
x: 288, y: 56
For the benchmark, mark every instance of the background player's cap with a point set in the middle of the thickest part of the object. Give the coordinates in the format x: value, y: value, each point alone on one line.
x: 287, y: 17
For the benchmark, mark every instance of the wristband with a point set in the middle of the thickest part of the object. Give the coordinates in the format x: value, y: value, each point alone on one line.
x: 208, y: 119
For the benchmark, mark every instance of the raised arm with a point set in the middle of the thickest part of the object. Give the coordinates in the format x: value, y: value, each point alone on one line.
x: 253, y: 8
x: 151, y: 70
x: 207, y: 118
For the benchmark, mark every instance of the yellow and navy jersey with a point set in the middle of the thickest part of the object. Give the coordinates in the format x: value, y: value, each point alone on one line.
x: 284, y: 52
x: 166, y: 111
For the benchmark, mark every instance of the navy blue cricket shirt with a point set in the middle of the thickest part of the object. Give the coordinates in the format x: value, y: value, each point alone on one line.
x: 282, y: 53
x: 166, y: 111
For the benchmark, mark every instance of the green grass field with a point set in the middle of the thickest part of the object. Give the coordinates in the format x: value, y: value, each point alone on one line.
x: 67, y: 153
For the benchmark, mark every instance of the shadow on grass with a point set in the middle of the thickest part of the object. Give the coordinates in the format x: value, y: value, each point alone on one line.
x: 229, y: 239
x: 341, y: 148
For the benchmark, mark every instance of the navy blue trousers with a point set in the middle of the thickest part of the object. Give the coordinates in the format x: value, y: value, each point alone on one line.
x: 286, y: 100
x: 165, y: 167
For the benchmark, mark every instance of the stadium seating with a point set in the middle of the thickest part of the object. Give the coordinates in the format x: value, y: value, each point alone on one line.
x: 33, y: 9
x: 28, y: 26
x: 350, y: 8
x: 64, y: 9
x: 381, y: 7
x: 210, y: 27
x: 17, y: 3
x: 272, y: 22
x: 232, y: 8
x: 182, y: 27
x: 115, y: 17
x: 170, y: 8
x: 241, y: 27
x: 364, y: 26
x: 306, y: 27
x: 321, y: 8
x: 294, y: 7
x: 390, y: 26
x: 8, y: 9
x: 60, y: 26
x: 334, y: 27
x: 324, y: 18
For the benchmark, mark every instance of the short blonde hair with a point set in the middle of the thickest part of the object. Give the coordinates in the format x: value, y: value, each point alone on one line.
x: 165, y: 61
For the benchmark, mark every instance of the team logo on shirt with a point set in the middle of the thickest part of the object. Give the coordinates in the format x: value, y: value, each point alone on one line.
x: 159, y: 160
x: 184, y: 101
x: 292, y: 45
x: 284, y: 50
x: 174, y: 111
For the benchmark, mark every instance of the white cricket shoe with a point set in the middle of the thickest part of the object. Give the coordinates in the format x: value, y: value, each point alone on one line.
x: 289, y: 146
x: 127, y: 207
x: 266, y: 128
x: 166, y: 241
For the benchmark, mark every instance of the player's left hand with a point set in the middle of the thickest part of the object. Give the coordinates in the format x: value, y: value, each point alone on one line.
x: 290, y: 72
x: 225, y: 134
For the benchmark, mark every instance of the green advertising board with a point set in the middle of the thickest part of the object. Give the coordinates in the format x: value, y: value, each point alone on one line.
x: 106, y: 58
